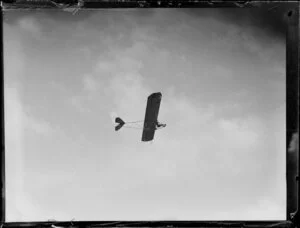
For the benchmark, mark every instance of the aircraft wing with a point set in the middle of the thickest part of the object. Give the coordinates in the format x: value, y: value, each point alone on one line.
x: 151, y: 115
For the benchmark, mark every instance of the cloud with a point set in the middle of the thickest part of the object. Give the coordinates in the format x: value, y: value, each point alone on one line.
x: 20, y: 124
x: 240, y: 133
x: 213, y: 146
x: 78, y: 102
x: 38, y: 126
x: 105, y: 66
x: 13, y: 56
x: 88, y: 92
x: 18, y: 204
x: 189, y: 126
x: 30, y: 25
x: 17, y: 112
x: 108, y: 76
x: 210, y: 151
x: 89, y: 83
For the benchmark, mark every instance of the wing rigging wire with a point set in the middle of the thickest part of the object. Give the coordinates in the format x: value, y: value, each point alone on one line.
x: 138, y: 121
x: 133, y: 127
x: 135, y: 124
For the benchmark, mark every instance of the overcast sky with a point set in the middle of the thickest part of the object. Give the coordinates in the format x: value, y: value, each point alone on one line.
x: 222, y: 154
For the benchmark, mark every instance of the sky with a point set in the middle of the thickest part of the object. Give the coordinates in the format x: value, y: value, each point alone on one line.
x: 222, y: 79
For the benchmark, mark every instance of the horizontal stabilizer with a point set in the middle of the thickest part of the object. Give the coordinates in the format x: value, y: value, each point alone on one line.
x: 119, y: 120
x: 120, y: 123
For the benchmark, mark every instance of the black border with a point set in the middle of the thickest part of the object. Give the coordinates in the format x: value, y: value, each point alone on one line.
x: 292, y: 105
x: 2, y: 157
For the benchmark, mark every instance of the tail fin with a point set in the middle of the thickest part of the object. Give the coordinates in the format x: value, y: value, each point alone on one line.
x: 120, y: 123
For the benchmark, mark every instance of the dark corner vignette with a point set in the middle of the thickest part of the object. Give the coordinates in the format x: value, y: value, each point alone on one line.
x: 288, y: 10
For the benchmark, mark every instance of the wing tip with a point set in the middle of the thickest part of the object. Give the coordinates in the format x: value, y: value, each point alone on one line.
x: 157, y: 94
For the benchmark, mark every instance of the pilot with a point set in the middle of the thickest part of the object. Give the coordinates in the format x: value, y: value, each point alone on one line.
x: 159, y: 125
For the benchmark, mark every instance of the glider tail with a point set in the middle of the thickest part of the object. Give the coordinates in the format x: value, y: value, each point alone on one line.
x: 120, y: 123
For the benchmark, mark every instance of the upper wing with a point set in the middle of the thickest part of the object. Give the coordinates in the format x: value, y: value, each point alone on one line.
x: 151, y: 115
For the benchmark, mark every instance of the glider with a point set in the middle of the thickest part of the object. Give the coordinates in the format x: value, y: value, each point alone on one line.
x: 150, y: 123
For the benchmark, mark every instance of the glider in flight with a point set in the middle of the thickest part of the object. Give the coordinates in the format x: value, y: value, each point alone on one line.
x: 151, y: 123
